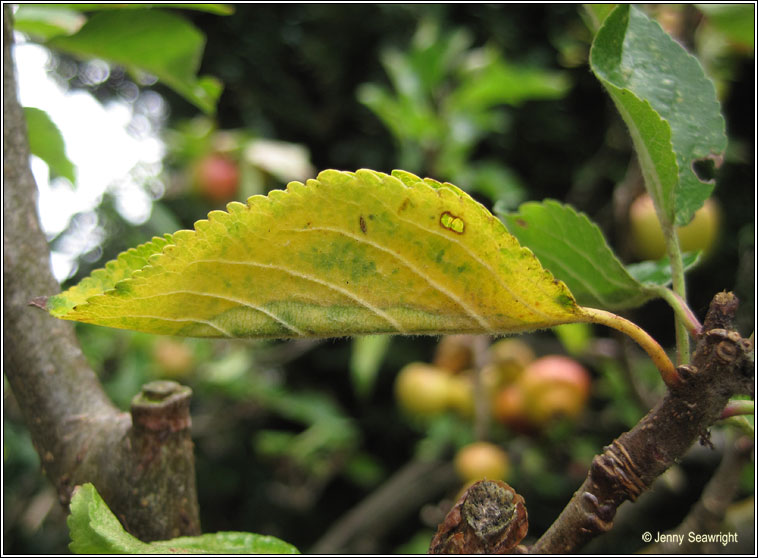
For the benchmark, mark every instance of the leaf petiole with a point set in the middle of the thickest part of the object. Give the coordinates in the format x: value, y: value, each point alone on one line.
x: 643, y: 339
x: 738, y: 407
x: 681, y: 309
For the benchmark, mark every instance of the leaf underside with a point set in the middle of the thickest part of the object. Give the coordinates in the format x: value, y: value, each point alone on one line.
x: 344, y: 254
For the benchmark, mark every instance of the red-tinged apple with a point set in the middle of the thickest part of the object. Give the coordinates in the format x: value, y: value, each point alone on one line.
x: 217, y: 177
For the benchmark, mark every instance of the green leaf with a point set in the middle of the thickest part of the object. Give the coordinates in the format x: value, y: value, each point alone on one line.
x: 575, y: 251
x: 46, y: 142
x: 95, y: 530
x: 735, y: 21
x: 365, y: 361
x: 345, y: 254
x: 659, y: 272
x: 224, y: 542
x: 45, y: 22
x: 160, y: 43
x: 575, y: 338
x: 667, y: 102
x: 498, y: 82
x: 597, y: 13
x: 219, y: 9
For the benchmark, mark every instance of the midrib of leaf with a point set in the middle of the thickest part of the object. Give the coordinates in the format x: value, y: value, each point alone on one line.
x: 220, y: 297
x: 652, y: 174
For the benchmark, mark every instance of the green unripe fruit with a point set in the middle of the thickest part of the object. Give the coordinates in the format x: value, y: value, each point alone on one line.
x: 647, y: 237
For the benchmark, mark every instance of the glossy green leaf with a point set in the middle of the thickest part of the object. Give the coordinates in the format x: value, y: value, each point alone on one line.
x: 668, y: 104
x: 95, y: 530
x: 153, y: 41
x: 345, y: 254
x: 46, y: 142
x: 576, y: 252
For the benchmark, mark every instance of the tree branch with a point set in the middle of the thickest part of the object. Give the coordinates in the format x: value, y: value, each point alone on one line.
x: 389, y: 505
x: 722, y: 367
x: 78, y: 433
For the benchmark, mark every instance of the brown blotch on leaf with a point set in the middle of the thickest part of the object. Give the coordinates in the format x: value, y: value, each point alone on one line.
x: 489, y: 518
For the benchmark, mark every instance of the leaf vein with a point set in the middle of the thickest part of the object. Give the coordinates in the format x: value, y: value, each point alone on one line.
x: 230, y: 299
x: 307, y: 277
x: 164, y: 318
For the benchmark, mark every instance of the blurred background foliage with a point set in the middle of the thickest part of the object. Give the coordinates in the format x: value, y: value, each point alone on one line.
x: 293, y: 435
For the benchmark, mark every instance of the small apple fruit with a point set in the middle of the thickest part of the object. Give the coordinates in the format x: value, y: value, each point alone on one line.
x: 647, y: 237
x: 702, y: 232
x: 510, y: 357
x: 509, y: 409
x: 422, y: 389
x: 173, y: 358
x: 554, y: 386
x: 481, y: 460
x: 454, y: 353
x: 460, y: 394
x: 216, y: 177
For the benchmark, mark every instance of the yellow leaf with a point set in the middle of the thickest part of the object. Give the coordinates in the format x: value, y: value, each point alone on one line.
x: 345, y: 254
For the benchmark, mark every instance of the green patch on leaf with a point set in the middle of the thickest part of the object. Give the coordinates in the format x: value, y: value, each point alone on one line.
x: 46, y: 142
x: 668, y: 104
x: 153, y: 41
x: 345, y: 254
x: 95, y: 530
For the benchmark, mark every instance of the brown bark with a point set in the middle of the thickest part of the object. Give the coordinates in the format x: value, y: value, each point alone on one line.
x: 78, y: 433
x: 488, y: 518
x: 722, y: 366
